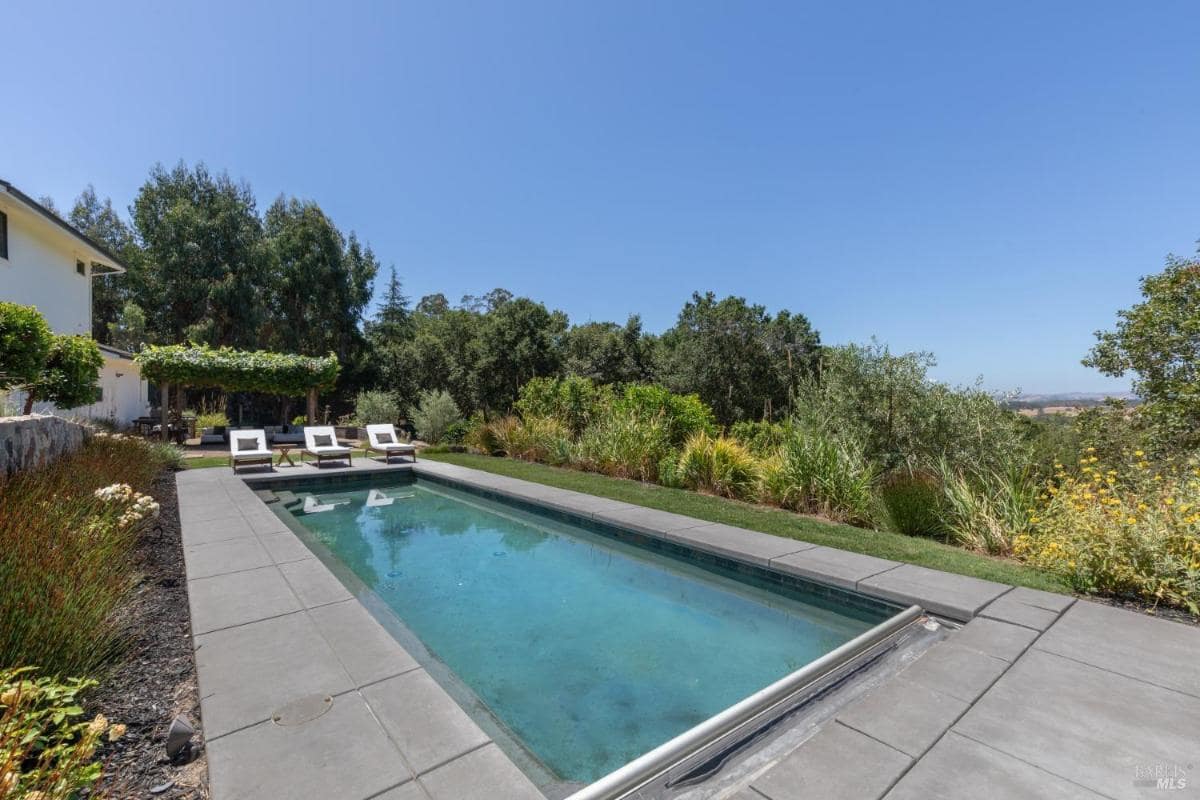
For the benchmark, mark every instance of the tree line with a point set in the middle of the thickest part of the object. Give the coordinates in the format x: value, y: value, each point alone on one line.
x: 205, y: 266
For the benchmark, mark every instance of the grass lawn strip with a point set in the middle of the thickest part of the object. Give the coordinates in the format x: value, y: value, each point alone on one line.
x: 882, y: 544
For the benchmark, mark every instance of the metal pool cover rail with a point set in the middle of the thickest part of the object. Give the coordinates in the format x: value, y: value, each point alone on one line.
x: 726, y: 727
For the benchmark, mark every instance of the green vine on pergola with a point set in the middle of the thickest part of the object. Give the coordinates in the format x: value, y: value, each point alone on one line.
x: 237, y: 370
x: 200, y: 366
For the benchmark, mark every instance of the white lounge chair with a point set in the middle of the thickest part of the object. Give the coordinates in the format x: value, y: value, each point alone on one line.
x: 321, y: 442
x: 248, y: 447
x: 383, y: 439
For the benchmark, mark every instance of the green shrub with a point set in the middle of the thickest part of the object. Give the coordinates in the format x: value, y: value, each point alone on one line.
x: 903, y: 418
x: 376, y: 408
x: 719, y: 466
x: 574, y: 401
x: 986, y: 510
x: 65, y: 553
x: 682, y: 415
x: 169, y: 455
x: 300, y: 420
x: 668, y: 471
x: 624, y: 445
x: 819, y: 472
x: 434, y: 413
x: 456, y: 432
x: 214, y: 419
x: 25, y: 341
x: 912, y: 503
x: 47, y: 749
x: 760, y: 438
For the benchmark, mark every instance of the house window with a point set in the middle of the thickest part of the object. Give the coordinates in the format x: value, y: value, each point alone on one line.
x: 80, y: 268
x: 3, y: 235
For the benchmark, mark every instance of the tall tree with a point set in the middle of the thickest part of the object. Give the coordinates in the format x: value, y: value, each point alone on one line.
x: 443, y: 351
x: 1158, y: 340
x: 393, y: 320
x: 606, y: 352
x: 519, y: 340
x: 320, y: 284
x: 740, y: 360
x: 205, y: 260
x: 101, y: 223
x: 389, y: 334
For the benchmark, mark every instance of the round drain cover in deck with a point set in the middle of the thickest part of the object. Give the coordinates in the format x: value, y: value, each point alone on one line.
x: 302, y: 710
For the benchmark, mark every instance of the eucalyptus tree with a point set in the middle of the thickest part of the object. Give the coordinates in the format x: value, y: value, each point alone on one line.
x: 111, y: 294
x: 319, y: 282
x: 205, y: 261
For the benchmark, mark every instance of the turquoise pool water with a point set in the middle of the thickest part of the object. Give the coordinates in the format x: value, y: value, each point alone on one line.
x: 591, y: 651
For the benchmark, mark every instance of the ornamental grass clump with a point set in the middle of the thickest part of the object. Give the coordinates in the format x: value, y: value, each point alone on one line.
x: 624, y: 445
x: 67, y: 533
x: 718, y: 465
x: 820, y: 472
x: 985, y: 509
x: 912, y: 502
x: 47, y: 748
x: 543, y: 439
x: 1130, y: 530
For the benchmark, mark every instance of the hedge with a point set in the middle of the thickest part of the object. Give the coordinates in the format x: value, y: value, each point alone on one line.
x: 237, y: 370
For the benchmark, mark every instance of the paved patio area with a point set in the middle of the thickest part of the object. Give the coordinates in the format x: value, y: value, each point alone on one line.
x: 1039, y: 695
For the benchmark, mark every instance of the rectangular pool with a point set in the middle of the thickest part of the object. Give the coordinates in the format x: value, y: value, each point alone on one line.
x: 588, y: 648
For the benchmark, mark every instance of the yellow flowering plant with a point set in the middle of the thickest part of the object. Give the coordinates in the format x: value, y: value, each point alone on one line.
x: 1128, y: 532
x: 47, y: 746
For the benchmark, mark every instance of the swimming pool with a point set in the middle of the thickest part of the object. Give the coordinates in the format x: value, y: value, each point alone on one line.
x: 588, y: 645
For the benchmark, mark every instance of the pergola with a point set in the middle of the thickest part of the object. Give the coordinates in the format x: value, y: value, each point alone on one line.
x: 199, y: 366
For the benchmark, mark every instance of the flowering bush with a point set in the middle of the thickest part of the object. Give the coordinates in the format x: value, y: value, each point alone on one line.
x: 134, y: 506
x: 1133, y: 532
x: 46, y: 748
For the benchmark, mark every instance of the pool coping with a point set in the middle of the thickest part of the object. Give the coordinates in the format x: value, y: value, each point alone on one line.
x: 271, y: 622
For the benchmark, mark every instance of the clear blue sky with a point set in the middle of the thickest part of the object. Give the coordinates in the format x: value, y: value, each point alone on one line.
x: 987, y: 183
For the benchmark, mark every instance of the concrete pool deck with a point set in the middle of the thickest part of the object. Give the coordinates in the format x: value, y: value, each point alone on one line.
x: 1039, y: 695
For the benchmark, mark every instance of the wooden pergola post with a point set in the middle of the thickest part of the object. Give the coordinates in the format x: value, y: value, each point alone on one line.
x: 164, y: 392
x: 312, y: 406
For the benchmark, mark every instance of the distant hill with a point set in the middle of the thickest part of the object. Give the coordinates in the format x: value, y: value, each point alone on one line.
x: 1069, y: 403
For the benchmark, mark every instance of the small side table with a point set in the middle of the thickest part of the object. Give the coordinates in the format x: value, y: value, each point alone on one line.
x: 285, y: 452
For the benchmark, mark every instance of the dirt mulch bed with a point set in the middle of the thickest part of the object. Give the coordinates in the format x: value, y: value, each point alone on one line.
x: 155, y: 678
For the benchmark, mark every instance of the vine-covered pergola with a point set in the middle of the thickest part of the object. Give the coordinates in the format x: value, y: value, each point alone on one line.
x: 199, y: 366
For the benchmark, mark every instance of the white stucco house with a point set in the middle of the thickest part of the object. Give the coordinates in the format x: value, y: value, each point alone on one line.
x: 47, y: 263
